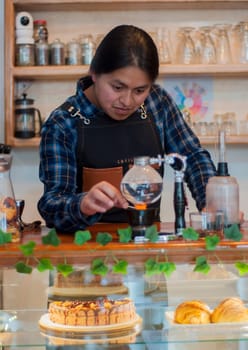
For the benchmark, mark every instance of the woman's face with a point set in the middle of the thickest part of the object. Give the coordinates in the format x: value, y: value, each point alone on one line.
x: 121, y: 92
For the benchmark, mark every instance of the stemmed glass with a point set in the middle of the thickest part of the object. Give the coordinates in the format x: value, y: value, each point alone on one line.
x: 186, y: 52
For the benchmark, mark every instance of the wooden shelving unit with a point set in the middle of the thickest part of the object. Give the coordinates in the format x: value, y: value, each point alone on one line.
x: 15, y: 74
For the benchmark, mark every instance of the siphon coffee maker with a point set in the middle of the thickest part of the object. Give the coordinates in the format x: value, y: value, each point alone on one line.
x: 26, y: 116
x: 142, y: 185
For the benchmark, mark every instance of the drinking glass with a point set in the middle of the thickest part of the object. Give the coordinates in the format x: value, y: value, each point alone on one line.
x: 223, y: 50
x: 186, y: 52
x: 207, y: 223
x: 208, y: 51
x: 244, y: 42
x: 163, y: 44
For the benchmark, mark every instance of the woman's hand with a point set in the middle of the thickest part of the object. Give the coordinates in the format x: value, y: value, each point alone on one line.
x: 101, y: 198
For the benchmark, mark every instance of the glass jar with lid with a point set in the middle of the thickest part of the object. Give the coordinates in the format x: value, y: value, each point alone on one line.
x: 57, y: 50
x: 40, y: 30
x: 8, y: 209
x: 88, y: 48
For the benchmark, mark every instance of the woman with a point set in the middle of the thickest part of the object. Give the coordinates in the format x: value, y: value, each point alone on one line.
x: 117, y: 113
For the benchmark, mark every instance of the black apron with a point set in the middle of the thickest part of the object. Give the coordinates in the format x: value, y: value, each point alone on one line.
x: 106, y: 149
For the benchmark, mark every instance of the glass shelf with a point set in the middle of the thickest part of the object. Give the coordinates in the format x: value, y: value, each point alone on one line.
x: 25, y: 299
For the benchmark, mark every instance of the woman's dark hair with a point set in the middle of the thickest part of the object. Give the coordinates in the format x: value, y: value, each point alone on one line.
x: 124, y: 46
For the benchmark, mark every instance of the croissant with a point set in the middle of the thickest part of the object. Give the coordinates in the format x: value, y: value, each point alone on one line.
x: 230, y: 310
x: 192, y: 312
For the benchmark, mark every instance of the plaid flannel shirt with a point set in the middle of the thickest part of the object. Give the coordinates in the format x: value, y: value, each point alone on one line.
x: 60, y: 203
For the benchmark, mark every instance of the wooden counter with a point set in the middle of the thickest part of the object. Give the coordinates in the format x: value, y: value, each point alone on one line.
x: 177, y: 251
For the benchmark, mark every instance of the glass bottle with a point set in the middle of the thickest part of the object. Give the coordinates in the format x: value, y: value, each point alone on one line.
x: 40, y: 30
x: 8, y: 210
x: 222, y: 190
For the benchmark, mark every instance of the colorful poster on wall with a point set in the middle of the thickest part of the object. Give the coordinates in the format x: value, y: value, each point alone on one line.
x: 192, y: 95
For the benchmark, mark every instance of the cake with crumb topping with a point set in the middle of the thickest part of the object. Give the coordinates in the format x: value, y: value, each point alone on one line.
x: 101, y: 312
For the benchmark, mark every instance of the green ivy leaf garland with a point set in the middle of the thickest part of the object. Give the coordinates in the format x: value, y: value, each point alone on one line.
x: 103, y: 238
x: 202, y: 265
x: 242, y: 268
x: 120, y: 267
x: 190, y: 234
x: 99, y: 266
x: 44, y: 265
x: 82, y: 237
x: 125, y: 234
x: 212, y: 242
x: 5, y: 237
x: 51, y: 238
x: 233, y: 232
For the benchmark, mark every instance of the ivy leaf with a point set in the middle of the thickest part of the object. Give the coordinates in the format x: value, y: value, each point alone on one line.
x: 51, y: 238
x: 65, y: 269
x: 21, y: 267
x: 241, y: 267
x: 120, y: 267
x: 152, y: 233
x: 44, y: 264
x: 103, y: 238
x: 81, y: 237
x: 98, y: 267
x: 152, y: 267
x: 125, y: 234
x: 233, y: 232
x: 5, y: 237
x: 190, y: 234
x: 28, y: 248
x: 202, y: 265
x: 167, y: 268
x: 212, y: 242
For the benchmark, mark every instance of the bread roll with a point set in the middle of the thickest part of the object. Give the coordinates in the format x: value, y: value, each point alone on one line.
x: 192, y: 312
x: 230, y: 310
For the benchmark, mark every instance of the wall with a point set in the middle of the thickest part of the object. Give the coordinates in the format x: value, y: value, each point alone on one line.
x: 25, y: 162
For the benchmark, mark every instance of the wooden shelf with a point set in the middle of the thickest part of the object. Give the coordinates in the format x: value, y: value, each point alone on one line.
x: 206, y: 140
x: 74, y: 72
x: 24, y: 143
x: 87, y: 5
x: 230, y: 139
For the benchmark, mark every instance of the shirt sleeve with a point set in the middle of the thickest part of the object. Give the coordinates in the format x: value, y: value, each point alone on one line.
x: 60, y: 202
x: 177, y: 136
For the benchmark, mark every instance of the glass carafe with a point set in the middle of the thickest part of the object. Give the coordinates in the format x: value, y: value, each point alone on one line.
x: 8, y: 210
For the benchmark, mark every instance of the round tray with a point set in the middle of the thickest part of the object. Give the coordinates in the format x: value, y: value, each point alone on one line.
x: 86, y: 291
x: 46, y: 324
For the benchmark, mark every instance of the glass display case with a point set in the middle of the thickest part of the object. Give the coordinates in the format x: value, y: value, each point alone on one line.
x: 25, y: 298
